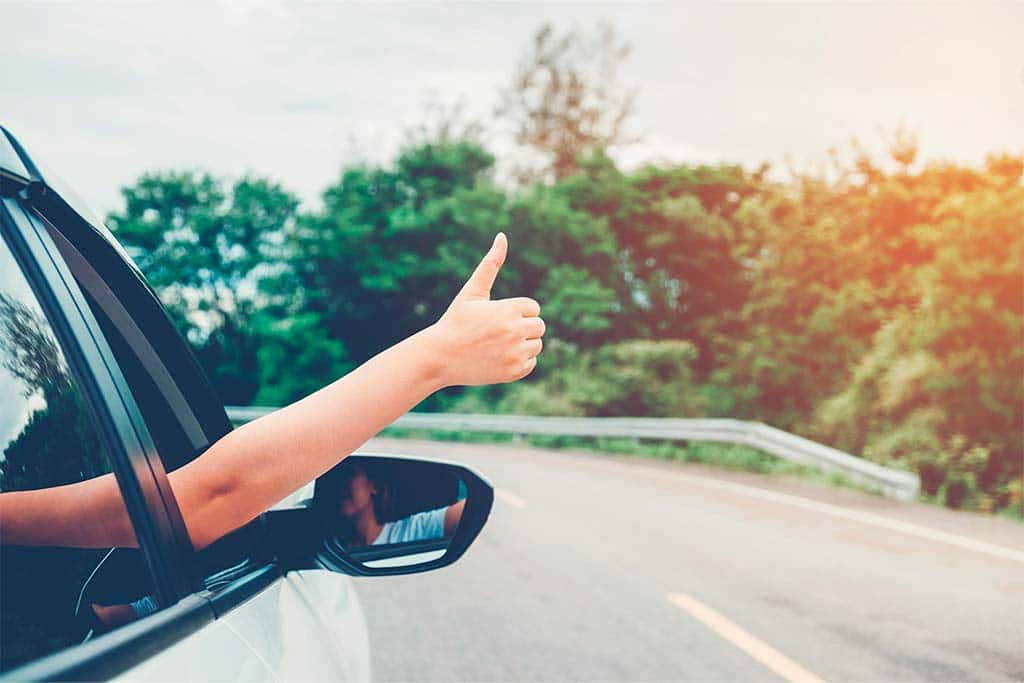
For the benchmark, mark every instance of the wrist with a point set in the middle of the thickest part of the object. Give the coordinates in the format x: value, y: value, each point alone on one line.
x: 426, y: 347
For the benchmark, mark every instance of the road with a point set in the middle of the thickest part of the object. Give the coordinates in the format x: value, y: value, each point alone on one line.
x: 601, y: 568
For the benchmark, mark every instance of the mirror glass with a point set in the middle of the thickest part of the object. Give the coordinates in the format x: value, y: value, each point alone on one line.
x: 387, y: 512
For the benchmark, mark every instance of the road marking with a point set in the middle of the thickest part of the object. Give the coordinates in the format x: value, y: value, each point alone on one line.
x: 857, y: 516
x: 759, y: 650
x: 510, y: 498
x: 832, y: 510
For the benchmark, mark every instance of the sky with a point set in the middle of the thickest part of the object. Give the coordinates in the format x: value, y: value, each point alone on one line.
x: 105, y: 92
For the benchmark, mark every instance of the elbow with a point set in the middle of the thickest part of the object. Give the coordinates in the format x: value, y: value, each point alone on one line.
x: 213, y: 511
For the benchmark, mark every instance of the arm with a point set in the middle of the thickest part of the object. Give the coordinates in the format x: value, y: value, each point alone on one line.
x: 476, y: 341
x: 87, y: 514
x: 247, y: 470
x: 452, y: 517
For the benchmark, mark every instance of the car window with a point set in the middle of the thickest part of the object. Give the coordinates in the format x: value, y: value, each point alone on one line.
x: 152, y: 361
x: 166, y: 404
x: 232, y: 556
x: 51, y: 597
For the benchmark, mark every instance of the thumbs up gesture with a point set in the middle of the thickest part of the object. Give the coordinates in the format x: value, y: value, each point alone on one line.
x: 485, y: 341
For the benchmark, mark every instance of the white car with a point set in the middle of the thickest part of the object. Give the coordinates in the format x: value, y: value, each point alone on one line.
x: 95, y: 379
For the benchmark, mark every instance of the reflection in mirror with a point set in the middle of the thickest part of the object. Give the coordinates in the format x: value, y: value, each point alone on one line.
x: 387, y: 512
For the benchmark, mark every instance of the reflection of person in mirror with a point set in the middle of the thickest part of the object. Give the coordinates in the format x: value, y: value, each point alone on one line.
x: 367, y: 504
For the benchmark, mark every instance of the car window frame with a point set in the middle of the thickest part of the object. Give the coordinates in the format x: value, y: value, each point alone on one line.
x: 123, y: 434
x: 135, y: 313
x: 44, y: 216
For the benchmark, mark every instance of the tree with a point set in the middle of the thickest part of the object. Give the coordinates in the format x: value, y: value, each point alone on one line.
x: 565, y: 101
x: 57, y: 443
x: 206, y: 251
x: 394, y: 244
x: 29, y: 352
x: 877, y: 308
x: 391, y: 246
x: 633, y: 378
x: 682, y: 250
x: 939, y: 388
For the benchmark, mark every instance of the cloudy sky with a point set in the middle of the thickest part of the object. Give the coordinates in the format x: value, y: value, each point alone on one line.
x: 103, y: 92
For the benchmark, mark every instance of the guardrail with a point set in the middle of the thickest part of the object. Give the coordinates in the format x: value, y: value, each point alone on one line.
x: 889, y: 482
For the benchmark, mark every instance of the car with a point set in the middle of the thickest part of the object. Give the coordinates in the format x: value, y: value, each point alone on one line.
x: 96, y: 381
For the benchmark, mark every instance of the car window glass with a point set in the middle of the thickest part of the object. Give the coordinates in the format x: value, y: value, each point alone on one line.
x: 165, y: 404
x: 51, y: 597
x: 233, y: 556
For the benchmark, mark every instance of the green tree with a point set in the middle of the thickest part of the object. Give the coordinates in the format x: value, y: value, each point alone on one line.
x: 206, y: 250
x: 682, y: 267
x: 634, y: 378
x: 392, y: 246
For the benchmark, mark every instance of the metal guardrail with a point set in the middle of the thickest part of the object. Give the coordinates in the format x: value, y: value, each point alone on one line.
x: 889, y: 482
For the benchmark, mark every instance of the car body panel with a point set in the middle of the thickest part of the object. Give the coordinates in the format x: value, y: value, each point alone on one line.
x: 307, y: 626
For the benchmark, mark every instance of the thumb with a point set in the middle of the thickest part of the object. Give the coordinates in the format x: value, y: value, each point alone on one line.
x: 479, y: 284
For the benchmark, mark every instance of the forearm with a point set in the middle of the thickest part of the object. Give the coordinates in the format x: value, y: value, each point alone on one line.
x: 260, y: 463
x: 247, y: 470
x: 476, y: 341
x: 87, y: 514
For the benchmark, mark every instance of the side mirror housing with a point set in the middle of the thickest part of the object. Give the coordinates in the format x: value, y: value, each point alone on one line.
x: 382, y: 515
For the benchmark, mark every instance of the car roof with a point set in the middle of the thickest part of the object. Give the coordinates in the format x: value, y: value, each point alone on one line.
x: 13, y: 165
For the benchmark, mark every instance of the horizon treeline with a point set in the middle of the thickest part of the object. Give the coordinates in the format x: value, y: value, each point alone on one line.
x: 877, y: 308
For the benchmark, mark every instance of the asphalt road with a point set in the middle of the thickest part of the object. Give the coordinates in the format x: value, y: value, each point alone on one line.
x: 601, y: 568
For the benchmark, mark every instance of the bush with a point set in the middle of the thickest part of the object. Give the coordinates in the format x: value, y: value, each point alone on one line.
x: 633, y: 378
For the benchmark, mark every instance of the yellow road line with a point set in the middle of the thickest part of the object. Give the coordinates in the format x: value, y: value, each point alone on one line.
x: 759, y: 650
x: 510, y: 499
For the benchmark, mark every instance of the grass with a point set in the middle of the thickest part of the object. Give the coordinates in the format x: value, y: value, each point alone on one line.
x: 727, y: 456
x: 1014, y: 513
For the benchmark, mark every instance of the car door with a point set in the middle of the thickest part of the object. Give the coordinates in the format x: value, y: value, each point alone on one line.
x: 222, y: 614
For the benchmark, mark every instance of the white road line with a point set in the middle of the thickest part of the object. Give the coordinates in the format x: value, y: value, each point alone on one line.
x: 857, y: 516
x: 759, y: 650
x: 833, y: 510
x: 510, y: 498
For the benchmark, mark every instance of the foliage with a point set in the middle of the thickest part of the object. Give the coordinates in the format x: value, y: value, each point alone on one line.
x: 939, y: 388
x: 683, y: 247
x: 639, y: 377
x: 205, y: 250
x: 877, y: 308
x: 406, y: 237
x: 296, y: 358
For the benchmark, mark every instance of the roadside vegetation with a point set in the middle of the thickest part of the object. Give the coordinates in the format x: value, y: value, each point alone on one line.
x: 875, y: 304
x: 726, y: 456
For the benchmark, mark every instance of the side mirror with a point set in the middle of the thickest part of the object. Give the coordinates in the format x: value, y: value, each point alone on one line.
x: 381, y: 515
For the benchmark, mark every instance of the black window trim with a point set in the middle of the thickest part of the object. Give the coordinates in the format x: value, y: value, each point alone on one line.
x: 29, y: 212
x: 91, y: 281
x: 116, y: 416
x: 106, y: 257
x: 77, y: 254
x: 118, y: 651
x: 132, y: 457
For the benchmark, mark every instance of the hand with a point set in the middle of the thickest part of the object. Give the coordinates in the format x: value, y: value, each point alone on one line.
x: 484, y: 341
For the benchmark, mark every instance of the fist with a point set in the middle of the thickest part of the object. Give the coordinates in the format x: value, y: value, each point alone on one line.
x: 485, y: 341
